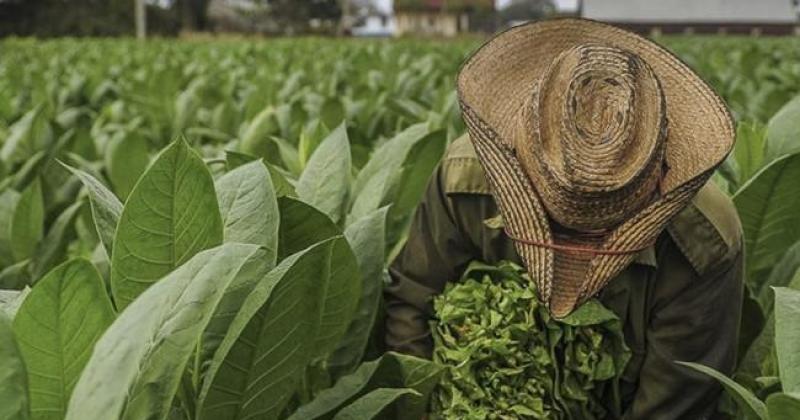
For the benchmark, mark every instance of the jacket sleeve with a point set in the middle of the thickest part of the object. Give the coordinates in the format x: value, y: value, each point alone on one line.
x: 436, y: 252
x: 694, y: 318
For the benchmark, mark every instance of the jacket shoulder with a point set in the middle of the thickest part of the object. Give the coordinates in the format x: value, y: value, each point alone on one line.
x: 461, y: 170
x: 708, y: 231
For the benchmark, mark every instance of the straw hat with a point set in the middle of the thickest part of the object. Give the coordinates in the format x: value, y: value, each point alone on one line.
x: 592, y: 129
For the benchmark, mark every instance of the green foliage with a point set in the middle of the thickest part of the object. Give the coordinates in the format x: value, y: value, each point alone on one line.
x: 106, y: 208
x: 749, y: 150
x: 14, y: 403
x: 57, y: 326
x: 508, y: 358
x: 766, y: 205
x: 304, y: 150
x: 287, y: 293
x: 780, y: 405
x: 27, y: 223
x: 783, y: 406
x: 783, y: 133
x: 325, y: 181
x: 253, y: 374
x: 171, y: 215
x: 787, y: 338
x: 166, y: 323
x: 126, y: 159
x: 52, y: 249
x: 373, y: 404
x: 750, y: 405
x: 248, y: 207
x: 367, y: 236
x: 390, y: 371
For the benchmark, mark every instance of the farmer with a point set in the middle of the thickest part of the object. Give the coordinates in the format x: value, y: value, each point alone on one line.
x: 587, y: 159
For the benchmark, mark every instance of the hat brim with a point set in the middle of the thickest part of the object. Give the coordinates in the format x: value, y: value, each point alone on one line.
x: 493, y: 86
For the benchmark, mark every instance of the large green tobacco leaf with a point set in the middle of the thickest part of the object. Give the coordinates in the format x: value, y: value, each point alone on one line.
x: 332, y: 112
x: 787, y: 337
x: 57, y: 326
x: 768, y: 206
x: 346, y: 390
x: 727, y: 175
x: 780, y: 276
x: 368, y: 240
x: 783, y: 132
x: 256, y: 139
x: 13, y: 378
x: 237, y: 291
x: 783, y: 406
x: 373, y: 404
x: 186, y: 105
x: 106, y: 207
x: 26, y: 136
x: 27, y: 225
x: 417, y: 170
x: 751, y: 406
x: 371, y: 196
x: 325, y: 180
x: 280, y: 183
x: 262, y: 357
x: 171, y: 215
x: 235, y: 159
x: 11, y: 300
x: 418, y: 374
x: 137, y: 364
x: 310, y: 138
x: 749, y: 149
x: 29, y: 170
x: 289, y: 156
x: 340, y: 298
x: 760, y: 358
x: 8, y: 202
x: 248, y: 207
x: 53, y: 248
x: 391, y: 370
x: 15, y: 276
x: 302, y: 226
x: 390, y: 156
x: 126, y: 160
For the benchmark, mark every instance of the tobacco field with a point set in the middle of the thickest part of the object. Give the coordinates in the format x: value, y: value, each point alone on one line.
x: 201, y: 229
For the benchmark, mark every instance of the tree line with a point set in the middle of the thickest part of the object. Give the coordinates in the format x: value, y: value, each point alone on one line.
x: 50, y: 18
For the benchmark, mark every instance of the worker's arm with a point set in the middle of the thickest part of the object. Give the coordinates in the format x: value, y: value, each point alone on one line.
x: 436, y: 252
x: 694, y: 318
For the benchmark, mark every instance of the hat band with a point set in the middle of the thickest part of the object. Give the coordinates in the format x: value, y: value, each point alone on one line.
x: 579, y: 250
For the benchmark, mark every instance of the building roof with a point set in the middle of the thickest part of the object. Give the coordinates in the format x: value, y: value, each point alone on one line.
x: 685, y: 11
x: 443, y: 5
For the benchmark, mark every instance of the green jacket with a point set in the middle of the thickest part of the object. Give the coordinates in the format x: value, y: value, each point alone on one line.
x: 680, y: 300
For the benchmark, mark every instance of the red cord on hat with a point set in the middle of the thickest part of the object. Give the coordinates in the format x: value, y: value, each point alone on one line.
x: 578, y: 249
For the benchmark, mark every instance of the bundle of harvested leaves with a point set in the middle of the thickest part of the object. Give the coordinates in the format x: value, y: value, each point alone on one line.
x: 507, y: 358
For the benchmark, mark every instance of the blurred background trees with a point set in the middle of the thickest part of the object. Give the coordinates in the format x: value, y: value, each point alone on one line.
x: 50, y: 18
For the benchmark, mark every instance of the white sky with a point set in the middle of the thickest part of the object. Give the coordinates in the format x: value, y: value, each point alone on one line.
x: 562, y: 4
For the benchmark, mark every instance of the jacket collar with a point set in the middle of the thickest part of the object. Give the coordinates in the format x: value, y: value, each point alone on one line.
x: 647, y: 257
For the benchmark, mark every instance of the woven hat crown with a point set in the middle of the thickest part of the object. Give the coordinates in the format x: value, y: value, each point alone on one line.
x: 569, y: 120
x: 592, y: 136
